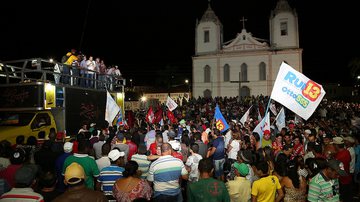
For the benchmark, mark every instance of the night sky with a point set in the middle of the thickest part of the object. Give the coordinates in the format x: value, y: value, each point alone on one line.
x: 147, y: 37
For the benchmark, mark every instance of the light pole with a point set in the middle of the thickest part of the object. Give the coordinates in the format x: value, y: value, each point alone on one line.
x: 188, y: 85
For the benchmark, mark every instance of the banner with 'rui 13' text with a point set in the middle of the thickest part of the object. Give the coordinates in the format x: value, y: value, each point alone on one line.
x: 297, y: 92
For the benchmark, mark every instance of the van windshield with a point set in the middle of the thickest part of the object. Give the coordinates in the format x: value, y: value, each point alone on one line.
x: 15, y: 119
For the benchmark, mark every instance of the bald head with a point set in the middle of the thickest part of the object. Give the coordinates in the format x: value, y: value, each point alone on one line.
x: 166, y: 149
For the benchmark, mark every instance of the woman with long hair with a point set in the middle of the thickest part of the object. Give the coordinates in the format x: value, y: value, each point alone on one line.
x: 294, y: 185
x: 131, y: 187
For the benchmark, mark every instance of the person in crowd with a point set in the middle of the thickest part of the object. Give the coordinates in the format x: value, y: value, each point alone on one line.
x: 5, y: 153
x: 120, y: 144
x: 104, y: 161
x: 217, y: 152
x: 141, y: 159
x: 88, y: 163
x: 207, y: 188
x: 294, y: 185
x: 240, y: 188
x: 164, y: 174
x: 59, y: 163
x: 47, y: 186
x: 277, y: 145
x: 17, y: 159
x: 98, y: 146
x: 131, y: 186
x: 343, y: 155
x: 266, y: 141
x: 202, y: 146
x: 158, y: 142
x: 325, y: 185
x: 267, y: 188
x: 192, y: 163
x: 25, y: 179
x: 77, y: 190
x: 131, y: 144
x: 110, y: 174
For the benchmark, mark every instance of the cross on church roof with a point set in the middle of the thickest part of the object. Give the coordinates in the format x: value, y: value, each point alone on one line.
x: 243, y: 21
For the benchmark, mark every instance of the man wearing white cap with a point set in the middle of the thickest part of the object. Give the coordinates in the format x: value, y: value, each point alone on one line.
x: 59, y: 163
x: 110, y: 174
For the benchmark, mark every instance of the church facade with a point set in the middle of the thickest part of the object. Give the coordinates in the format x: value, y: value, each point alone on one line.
x: 246, y: 65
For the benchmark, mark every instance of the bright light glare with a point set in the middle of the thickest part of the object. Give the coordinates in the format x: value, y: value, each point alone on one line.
x: 186, y: 81
x: 143, y: 98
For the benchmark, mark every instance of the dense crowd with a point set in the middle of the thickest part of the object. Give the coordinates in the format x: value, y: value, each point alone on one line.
x: 189, y: 159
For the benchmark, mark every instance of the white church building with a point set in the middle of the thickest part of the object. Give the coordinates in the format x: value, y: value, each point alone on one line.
x: 246, y: 65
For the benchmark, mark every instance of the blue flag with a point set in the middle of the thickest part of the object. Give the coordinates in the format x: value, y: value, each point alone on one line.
x: 221, y: 123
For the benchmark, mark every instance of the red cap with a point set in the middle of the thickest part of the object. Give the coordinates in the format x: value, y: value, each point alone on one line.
x: 59, y: 135
x: 266, y: 132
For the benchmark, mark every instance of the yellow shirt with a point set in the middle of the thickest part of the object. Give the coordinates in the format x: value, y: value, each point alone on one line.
x: 265, y: 188
x: 239, y: 189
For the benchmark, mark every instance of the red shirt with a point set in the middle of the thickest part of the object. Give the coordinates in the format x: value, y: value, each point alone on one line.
x: 9, y: 173
x: 132, y: 149
x: 177, y: 155
x: 153, y: 148
x: 344, y: 156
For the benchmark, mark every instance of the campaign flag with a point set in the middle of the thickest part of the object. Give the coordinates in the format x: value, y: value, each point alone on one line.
x: 280, y: 119
x: 263, y: 126
x: 220, y: 121
x: 119, y: 121
x: 158, y: 115
x: 171, y: 104
x: 273, y: 109
x: 297, y: 92
x: 112, y: 109
x: 298, y: 119
x: 171, y: 116
x: 246, y: 116
x: 150, y: 115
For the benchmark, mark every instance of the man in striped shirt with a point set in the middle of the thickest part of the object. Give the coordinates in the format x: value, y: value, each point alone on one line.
x: 325, y: 185
x: 165, y: 173
x: 110, y: 174
x: 142, y: 161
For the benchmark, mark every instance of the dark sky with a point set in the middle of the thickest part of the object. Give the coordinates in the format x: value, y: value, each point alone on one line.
x: 145, y: 37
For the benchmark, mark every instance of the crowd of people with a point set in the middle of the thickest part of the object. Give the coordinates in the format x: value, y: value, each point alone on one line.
x: 191, y: 160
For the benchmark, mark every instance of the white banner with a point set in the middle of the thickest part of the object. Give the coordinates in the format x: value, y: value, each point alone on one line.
x: 112, y: 109
x: 171, y: 104
x: 246, y: 116
x: 297, y: 92
x: 280, y: 119
x: 263, y: 126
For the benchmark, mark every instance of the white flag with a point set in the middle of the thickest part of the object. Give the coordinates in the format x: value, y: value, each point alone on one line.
x: 297, y: 92
x: 112, y: 109
x: 263, y: 125
x: 280, y: 119
x: 246, y: 116
x: 273, y: 109
x: 171, y: 104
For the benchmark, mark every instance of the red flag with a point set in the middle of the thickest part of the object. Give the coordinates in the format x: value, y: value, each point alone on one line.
x: 150, y: 115
x: 158, y: 115
x: 171, y: 116
x: 261, y: 109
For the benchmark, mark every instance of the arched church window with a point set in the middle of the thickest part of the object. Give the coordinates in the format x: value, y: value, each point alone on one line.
x: 243, y: 71
x: 206, y: 36
x: 226, y: 73
x: 262, y: 71
x: 207, y: 74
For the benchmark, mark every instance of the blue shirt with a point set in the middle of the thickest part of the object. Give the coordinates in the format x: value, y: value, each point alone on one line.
x: 108, y: 176
x: 219, y: 144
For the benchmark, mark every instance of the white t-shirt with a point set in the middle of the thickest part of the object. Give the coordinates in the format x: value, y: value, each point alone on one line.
x: 234, y: 150
x: 193, y: 162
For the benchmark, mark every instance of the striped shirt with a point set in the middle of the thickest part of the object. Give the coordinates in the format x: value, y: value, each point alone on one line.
x: 165, y: 173
x: 143, y: 164
x: 323, y: 189
x: 108, y: 176
x: 22, y: 195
